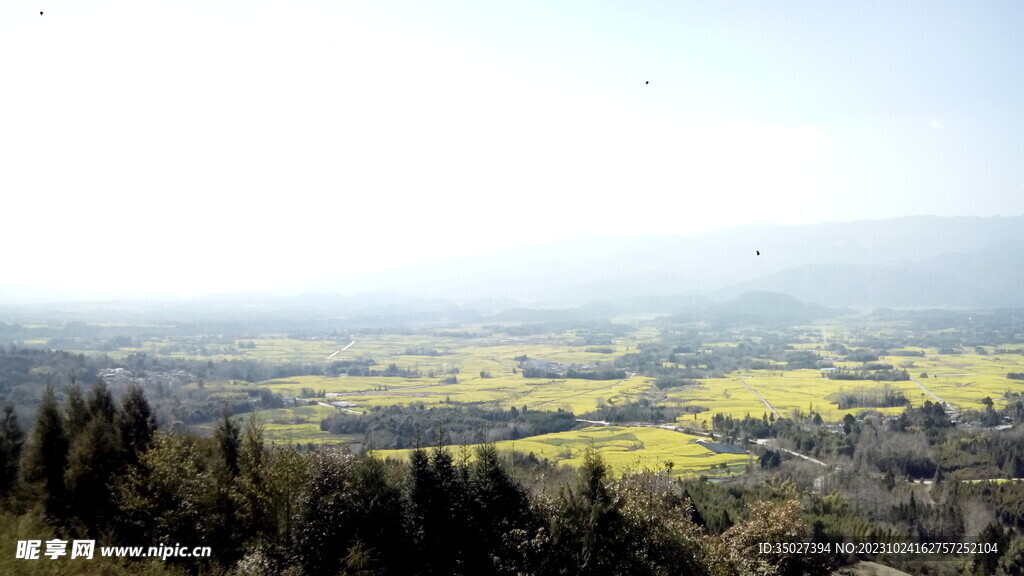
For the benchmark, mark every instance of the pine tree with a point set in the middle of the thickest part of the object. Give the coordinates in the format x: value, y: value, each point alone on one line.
x: 254, y: 511
x: 497, y: 505
x: 588, y: 528
x: 93, y: 460
x: 46, y: 456
x: 76, y: 411
x: 695, y: 516
x: 252, y: 450
x: 380, y: 508
x: 101, y: 402
x: 226, y: 530
x: 985, y: 564
x: 12, y: 440
x: 135, y: 425
x: 228, y: 439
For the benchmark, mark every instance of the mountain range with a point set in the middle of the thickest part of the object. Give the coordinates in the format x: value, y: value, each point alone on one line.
x: 910, y: 262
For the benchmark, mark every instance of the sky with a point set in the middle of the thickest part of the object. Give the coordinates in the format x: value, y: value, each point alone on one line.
x: 187, y: 147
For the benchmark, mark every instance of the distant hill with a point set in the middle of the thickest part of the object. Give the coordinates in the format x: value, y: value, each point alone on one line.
x: 910, y: 262
x: 895, y: 285
x: 991, y: 277
x: 920, y: 261
x: 770, y: 307
x: 996, y: 271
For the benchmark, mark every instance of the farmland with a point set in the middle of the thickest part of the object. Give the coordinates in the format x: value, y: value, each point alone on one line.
x: 486, y: 371
x: 695, y: 373
x: 482, y: 371
x: 725, y: 411
x: 624, y: 449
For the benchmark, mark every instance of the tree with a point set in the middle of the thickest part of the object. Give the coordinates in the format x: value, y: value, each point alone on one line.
x: 659, y: 532
x: 227, y: 434
x: 227, y: 532
x: 848, y: 422
x: 171, y: 496
x: 93, y: 461
x: 101, y: 402
x: 323, y: 533
x: 1012, y: 561
x: 46, y: 456
x: 497, y: 506
x: 270, y: 503
x: 768, y: 522
x: 135, y: 424
x: 94, y: 458
x: 770, y: 459
x: 12, y: 440
x: 985, y: 564
x: 588, y: 526
x: 379, y: 512
x: 255, y: 512
x: 76, y: 411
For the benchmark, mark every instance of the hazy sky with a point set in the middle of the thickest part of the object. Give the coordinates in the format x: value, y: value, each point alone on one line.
x: 201, y: 146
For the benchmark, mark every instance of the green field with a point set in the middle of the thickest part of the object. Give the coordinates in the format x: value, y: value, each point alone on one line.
x: 964, y: 379
x: 490, y: 351
x: 487, y: 374
x: 807, y: 390
x: 623, y: 449
x: 503, y: 385
x: 296, y: 425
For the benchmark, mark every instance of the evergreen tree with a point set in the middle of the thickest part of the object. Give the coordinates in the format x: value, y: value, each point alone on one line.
x: 588, y: 527
x: 76, y: 411
x: 255, y: 513
x: 287, y: 473
x: 135, y: 424
x: 171, y: 496
x: 12, y: 440
x: 421, y: 492
x: 94, y: 459
x: 46, y: 456
x: 436, y: 491
x: 227, y: 532
x: 695, y: 516
x: 323, y: 534
x: 379, y: 512
x: 252, y: 450
x: 497, y: 506
x: 985, y: 564
x: 442, y: 531
x: 101, y: 403
x: 227, y: 435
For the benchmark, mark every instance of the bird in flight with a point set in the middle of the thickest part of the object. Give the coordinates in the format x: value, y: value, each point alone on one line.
x: 648, y: 82
x: 758, y: 252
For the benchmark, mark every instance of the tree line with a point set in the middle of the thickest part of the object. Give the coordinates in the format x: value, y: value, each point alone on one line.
x: 409, y: 426
x: 96, y: 468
